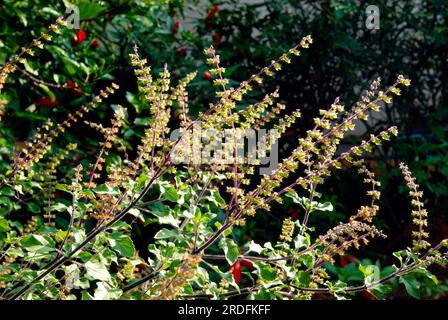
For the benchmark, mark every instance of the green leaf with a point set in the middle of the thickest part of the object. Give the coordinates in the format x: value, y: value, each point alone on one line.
x: 122, y: 244
x: 63, y: 187
x: 105, y: 291
x: 307, y: 259
x: 295, y: 197
x: 70, y: 65
x: 171, y: 194
x: 302, y: 241
x: 371, y: 273
x: 97, y: 270
x: 166, y: 233
x: 231, y: 70
x: 231, y: 251
x: 434, y: 279
x: 267, y: 273
x: 86, y: 296
x: 48, y: 92
x: 4, y: 226
x: 216, y: 199
x: 338, y: 286
x: 89, y: 9
x: 132, y: 99
x: 73, y: 278
x: 381, y: 291
x: 58, y: 206
x: 7, y: 191
x: 326, y: 206
x: 304, y: 278
x: 170, y: 219
x: 305, y: 203
x: 29, y: 115
x: 22, y: 17
x: 255, y: 247
x: 35, y: 242
x: 412, y: 285
x: 106, y: 189
x: 399, y: 256
x: 33, y: 207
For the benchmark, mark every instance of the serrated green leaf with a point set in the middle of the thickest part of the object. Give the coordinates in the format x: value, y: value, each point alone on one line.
x: 122, y: 244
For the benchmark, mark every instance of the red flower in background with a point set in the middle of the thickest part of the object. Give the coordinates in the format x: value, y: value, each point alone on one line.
x: 58, y: 195
x: 175, y: 26
x: 236, y: 271
x: 95, y: 44
x: 181, y: 52
x: 288, y: 133
x: 71, y: 84
x: 367, y: 295
x: 293, y: 213
x: 207, y: 75
x: 344, y: 260
x: 247, y: 263
x: 74, y: 88
x: 212, y: 13
x: 80, y: 37
x: 47, y: 102
x: 217, y: 38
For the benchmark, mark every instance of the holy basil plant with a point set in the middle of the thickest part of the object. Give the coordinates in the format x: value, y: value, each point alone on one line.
x: 168, y: 217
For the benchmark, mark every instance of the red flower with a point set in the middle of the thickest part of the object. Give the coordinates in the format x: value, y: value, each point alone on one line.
x: 175, y: 26
x: 78, y: 92
x: 293, y: 213
x: 74, y: 88
x: 80, y: 37
x: 58, y: 195
x: 71, y: 84
x: 217, y: 38
x: 47, y: 102
x: 207, y: 75
x: 212, y: 13
x: 288, y: 133
x: 95, y: 44
x: 236, y: 271
x: 247, y: 263
x: 342, y: 261
x: 367, y: 295
x: 181, y: 52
